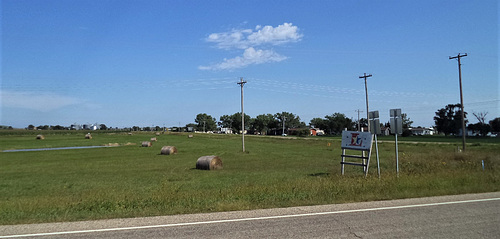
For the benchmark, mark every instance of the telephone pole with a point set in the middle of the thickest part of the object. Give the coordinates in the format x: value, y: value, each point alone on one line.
x: 242, y: 83
x: 366, y: 91
x: 461, y: 96
x: 284, y: 119
x: 359, y: 123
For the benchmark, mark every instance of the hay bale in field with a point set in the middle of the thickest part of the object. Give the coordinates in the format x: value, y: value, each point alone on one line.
x: 157, y: 133
x: 154, y: 139
x: 190, y: 136
x: 147, y: 144
x: 40, y: 136
x: 167, y: 150
x: 130, y: 133
x: 88, y: 136
x: 209, y: 163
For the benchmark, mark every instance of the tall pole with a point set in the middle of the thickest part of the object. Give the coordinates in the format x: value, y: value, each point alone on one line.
x: 241, y: 83
x: 366, y: 91
x: 461, y: 96
x: 284, y: 119
x: 359, y: 123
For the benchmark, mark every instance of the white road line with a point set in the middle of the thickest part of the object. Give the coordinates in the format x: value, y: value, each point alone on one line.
x: 249, y: 219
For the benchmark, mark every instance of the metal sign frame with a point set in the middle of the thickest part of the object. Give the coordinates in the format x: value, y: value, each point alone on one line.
x: 397, y: 125
x: 375, y: 129
x: 359, y: 141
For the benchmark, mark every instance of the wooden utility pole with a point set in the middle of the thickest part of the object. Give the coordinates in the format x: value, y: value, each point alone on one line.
x: 242, y: 83
x: 461, y: 96
x: 366, y: 91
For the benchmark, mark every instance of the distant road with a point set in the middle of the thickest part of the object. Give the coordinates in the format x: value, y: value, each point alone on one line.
x: 459, y: 216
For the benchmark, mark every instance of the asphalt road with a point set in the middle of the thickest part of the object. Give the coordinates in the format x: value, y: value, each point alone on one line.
x: 460, y: 216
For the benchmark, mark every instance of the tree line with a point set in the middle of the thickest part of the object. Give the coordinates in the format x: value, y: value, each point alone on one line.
x: 448, y: 121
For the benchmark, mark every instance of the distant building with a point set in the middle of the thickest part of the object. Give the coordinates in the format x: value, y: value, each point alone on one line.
x: 385, y: 131
x: 75, y: 126
x: 85, y: 126
x: 317, y: 132
x: 422, y: 131
x: 226, y: 130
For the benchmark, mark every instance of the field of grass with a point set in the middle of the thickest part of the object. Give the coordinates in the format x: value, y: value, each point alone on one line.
x: 133, y: 181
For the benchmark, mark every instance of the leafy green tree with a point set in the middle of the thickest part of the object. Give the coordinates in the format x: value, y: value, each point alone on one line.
x: 319, y: 123
x: 103, y: 127
x: 495, y: 124
x: 262, y: 123
x: 448, y: 120
x: 291, y: 120
x: 406, y: 121
x: 225, y: 121
x: 236, y: 122
x: 43, y: 127
x: 57, y: 127
x: 31, y: 127
x: 337, y: 122
x: 482, y: 127
x: 205, y: 122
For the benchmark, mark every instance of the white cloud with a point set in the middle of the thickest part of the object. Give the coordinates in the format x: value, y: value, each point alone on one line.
x: 250, y: 56
x: 247, y: 40
x: 278, y: 35
x: 43, y: 102
x: 244, y: 38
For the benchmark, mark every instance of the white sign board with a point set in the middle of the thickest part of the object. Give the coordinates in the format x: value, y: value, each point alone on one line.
x: 356, y: 140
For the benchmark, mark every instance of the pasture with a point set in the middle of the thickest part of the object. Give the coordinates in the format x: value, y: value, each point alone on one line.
x: 128, y: 180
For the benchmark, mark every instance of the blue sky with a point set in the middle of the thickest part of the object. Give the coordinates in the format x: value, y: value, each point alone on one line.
x: 145, y: 63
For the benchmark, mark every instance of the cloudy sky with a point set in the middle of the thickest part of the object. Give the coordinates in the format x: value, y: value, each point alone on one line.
x: 145, y: 63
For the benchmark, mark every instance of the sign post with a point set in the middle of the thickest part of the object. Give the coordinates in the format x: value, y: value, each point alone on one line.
x: 375, y: 129
x: 360, y: 141
x: 396, y: 128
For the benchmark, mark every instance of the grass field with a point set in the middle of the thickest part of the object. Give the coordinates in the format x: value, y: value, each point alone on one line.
x: 133, y: 181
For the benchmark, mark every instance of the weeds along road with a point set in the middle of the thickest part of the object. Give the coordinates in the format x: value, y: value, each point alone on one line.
x: 459, y: 216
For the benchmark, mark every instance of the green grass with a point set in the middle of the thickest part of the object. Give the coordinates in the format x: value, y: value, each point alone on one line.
x: 132, y: 181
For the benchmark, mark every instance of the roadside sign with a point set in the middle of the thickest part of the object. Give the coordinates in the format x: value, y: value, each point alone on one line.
x: 359, y: 141
x: 356, y: 140
x: 396, y: 128
x: 395, y: 112
x: 396, y: 121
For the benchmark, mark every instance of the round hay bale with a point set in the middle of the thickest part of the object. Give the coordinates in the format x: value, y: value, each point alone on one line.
x: 88, y: 136
x: 147, y: 144
x: 40, y: 136
x: 190, y: 136
x: 157, y: 133
x: 209, y: 163
x: 167, y: 150
x: 154, y: 139
x: 130, y: 133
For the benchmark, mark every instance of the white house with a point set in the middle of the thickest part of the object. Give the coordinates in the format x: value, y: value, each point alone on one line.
x: 422, y: 131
